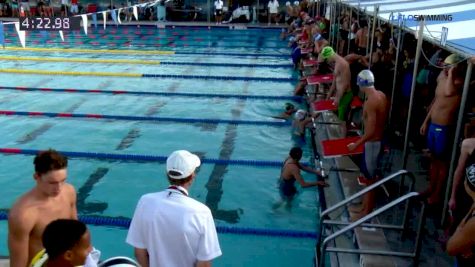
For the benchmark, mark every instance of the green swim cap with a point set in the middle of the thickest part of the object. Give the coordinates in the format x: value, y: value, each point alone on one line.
x: 322, y: 26
x: 327, y: 52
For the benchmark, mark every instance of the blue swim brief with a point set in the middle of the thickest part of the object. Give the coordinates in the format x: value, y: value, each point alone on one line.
x: 439, y: 139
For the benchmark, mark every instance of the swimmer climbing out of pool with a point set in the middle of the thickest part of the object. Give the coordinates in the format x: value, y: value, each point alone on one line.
x: 289, y: 109
x: 290, y: 173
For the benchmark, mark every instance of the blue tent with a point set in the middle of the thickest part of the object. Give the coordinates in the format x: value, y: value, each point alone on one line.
x: 456, y: 15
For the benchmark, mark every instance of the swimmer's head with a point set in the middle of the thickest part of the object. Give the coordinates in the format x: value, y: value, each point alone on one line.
x: 326, y: 54
x: 296, y: 3
x: 296, y: 153
x: 287, y: 3
x: 289, y: 107
x: 365, y: 79
x: 300, y: 114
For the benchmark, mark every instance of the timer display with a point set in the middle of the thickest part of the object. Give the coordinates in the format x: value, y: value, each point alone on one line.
x: 50, y: 23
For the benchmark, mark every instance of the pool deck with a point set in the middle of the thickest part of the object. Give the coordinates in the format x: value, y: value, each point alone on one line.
x: 344, y: 184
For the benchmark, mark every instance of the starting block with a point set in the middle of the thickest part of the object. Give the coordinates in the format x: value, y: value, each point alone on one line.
x: 309, y: 63
x: 305, y: 51
x: 324, y: 105
x: 319, y: 79
x: 356, y: 103
x: 327, y: 105
x: 339, y: 147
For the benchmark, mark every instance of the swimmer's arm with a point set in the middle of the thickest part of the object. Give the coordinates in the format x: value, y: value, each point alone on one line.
x: 369, y: 125
x: 333, y: 86
x: 300, y: 179
x: 74, y: 211
x: 142, y: 256
x: 20, y: 225
x: 426, y: 120
x: 308, y: 169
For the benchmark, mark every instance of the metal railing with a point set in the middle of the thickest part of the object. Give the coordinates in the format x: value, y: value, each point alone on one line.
x: 415, y: 254
x: 402, y: 227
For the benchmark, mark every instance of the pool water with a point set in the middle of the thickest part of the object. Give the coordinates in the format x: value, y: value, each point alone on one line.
x: 241, y: 195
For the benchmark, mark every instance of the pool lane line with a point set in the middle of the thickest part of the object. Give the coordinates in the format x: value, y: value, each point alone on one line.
x: 34, y: 114
x: 98, y: 51
x: 144, y: 93
x: 140, y: 52
x: 145, y: 62
x: 71, y: 73
x: 81, y: 60
x: 145, y: 75
x: 124, y: 223
x: 142, y: 158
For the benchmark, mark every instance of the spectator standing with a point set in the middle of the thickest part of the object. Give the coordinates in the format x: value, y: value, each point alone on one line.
x: 218, y: 11
x: 273, y: 7
x: 169, y: 228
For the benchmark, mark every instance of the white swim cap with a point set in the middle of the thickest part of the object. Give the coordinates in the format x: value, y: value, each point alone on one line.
x: 365, y: 78
x: 287, y: 3
x: 296, y: 3
x: 300, y: 114
x: 119, y: 262
x: 292, y: 39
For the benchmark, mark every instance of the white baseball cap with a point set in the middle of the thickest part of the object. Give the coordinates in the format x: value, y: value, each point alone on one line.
x: 183, y: 163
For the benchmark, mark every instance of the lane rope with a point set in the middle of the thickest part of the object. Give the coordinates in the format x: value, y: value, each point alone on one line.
x: 145, y: 62
x: 145, y: 75
x: 118, y: 92
x: 139, y: 157
x: 33, y: 114
x: 124, y: 223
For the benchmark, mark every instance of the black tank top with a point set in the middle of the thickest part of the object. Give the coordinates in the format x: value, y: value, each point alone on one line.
x: 470, y: 167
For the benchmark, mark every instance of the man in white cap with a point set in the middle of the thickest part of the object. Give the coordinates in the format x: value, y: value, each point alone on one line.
x: 171, y: 229
x: 375, y: 113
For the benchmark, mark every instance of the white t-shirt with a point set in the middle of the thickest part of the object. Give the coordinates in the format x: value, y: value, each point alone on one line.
x: 273, y: 6
x: 175, y: 229
x: 218, y: 4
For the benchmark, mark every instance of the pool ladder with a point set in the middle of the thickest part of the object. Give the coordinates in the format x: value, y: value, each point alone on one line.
x: 322, y: 244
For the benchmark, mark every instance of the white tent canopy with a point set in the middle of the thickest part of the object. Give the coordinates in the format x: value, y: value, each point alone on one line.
x: 461, y: 27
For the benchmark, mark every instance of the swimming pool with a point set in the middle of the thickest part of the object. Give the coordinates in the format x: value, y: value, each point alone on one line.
x: 224, y: 116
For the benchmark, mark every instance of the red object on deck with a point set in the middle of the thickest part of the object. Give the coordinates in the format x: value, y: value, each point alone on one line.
x: 356, y: 102
x: 91, y: 8
x: 316, y: 79
x: 339, y: 147
x: 324, y: 105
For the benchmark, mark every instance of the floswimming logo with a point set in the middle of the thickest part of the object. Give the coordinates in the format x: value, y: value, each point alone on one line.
x: 433, y: 17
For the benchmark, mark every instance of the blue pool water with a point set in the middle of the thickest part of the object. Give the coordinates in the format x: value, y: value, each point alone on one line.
x: 242, y: 195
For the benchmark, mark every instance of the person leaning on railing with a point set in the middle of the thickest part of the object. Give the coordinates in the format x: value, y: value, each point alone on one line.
x: 462, y: 243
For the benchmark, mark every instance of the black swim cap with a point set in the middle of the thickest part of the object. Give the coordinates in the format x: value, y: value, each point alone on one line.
x: 289, y: 106
x: 296, y: 153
